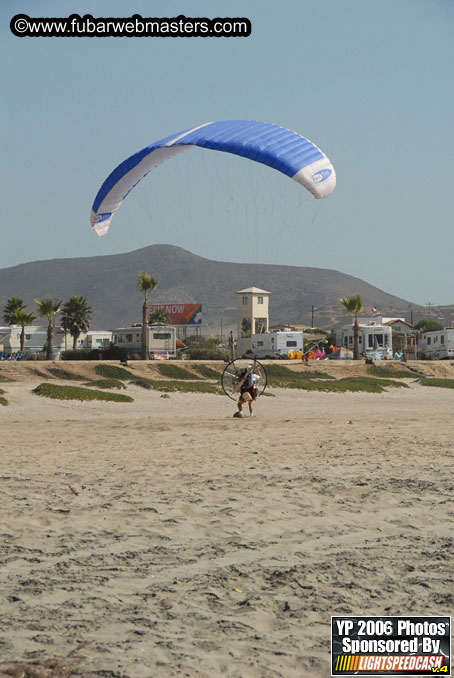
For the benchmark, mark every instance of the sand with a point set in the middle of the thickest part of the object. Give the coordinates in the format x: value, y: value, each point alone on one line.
x: 165, y: 538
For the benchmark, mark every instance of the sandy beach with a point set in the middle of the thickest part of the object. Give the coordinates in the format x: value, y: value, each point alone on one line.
x: 165, y: 538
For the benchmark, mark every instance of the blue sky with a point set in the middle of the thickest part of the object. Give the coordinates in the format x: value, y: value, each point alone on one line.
x: 371, y: 83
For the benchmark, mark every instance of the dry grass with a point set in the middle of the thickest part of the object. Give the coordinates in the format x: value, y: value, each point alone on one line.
x: 56, y: 669
x: 65, y: 667
x: 5, y: 379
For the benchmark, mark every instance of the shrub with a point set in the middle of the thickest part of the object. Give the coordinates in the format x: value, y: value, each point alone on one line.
x: 81, y: 354
x: 105, y: 383
x: 192, y: 387
x: 315, y: 330
x: 113, y: 372
x: 395, y: 372
x: 427, y: 325
x: 176, y: 386
x: 197, y: 341
x: 114, y: 353
x: 211, y: 353
x: 60, y: 373
x: 279, y: 373
x: 441, y: 383
x: 185, y: 387
x: 367, y: 384
x: 207, y: 372
x: 175, y: 372
x: 203, y: 348
x: 78, y: 393
x: 143, y: 382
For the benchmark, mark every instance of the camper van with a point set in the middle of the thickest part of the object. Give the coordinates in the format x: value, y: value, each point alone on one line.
x: 275, y: 344
x: 438, y: 345
x: 161, y: 340
x: 375, y: 340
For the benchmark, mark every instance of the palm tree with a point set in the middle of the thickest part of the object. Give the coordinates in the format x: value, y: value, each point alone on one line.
x: 146, y: 284
x: 20, y: 317
x: 48, y: 308
x: 12, y: 305
x: 354, y: 305
x: 158, y: 316
x: 76, y: 315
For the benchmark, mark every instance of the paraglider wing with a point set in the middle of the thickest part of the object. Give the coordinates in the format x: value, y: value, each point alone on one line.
x: 277, y: 147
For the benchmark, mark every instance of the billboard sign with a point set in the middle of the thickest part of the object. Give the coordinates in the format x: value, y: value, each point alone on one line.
x: 181, y: 314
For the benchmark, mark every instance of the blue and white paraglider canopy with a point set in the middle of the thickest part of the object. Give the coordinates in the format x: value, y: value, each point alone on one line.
x: 277, y: 147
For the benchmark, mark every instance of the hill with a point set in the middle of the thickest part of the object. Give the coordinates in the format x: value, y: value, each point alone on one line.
x: 109, y: 283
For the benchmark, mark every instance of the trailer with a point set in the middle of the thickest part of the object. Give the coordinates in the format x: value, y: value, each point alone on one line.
x: 275, y: 344
x: 438, y: 345
x: 375, y: 340
x: 161, y: 340
x: 35, y: 338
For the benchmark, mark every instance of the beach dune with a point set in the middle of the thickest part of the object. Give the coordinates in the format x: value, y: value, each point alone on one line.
x: 164, y: 537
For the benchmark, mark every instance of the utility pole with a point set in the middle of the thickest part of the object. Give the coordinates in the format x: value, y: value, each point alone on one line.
x: 405, y: 349
x: 314, y: 308
x: 231, y: 346
x: 222, y: 309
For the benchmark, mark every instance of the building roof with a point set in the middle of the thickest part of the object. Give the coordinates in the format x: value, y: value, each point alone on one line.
x: 391, y: 321
x: 295, y: 326
x: 253, y: 290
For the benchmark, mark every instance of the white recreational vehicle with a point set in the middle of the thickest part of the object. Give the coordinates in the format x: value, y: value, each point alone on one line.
x: 375, y: 340
x: 94, y: 339
x: 275, y: 344
x: 161, y: 340
x: 35, y: 337
x: 438, y: 344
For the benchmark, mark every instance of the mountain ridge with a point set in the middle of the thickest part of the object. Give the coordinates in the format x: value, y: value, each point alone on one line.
x: 109, y: 283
